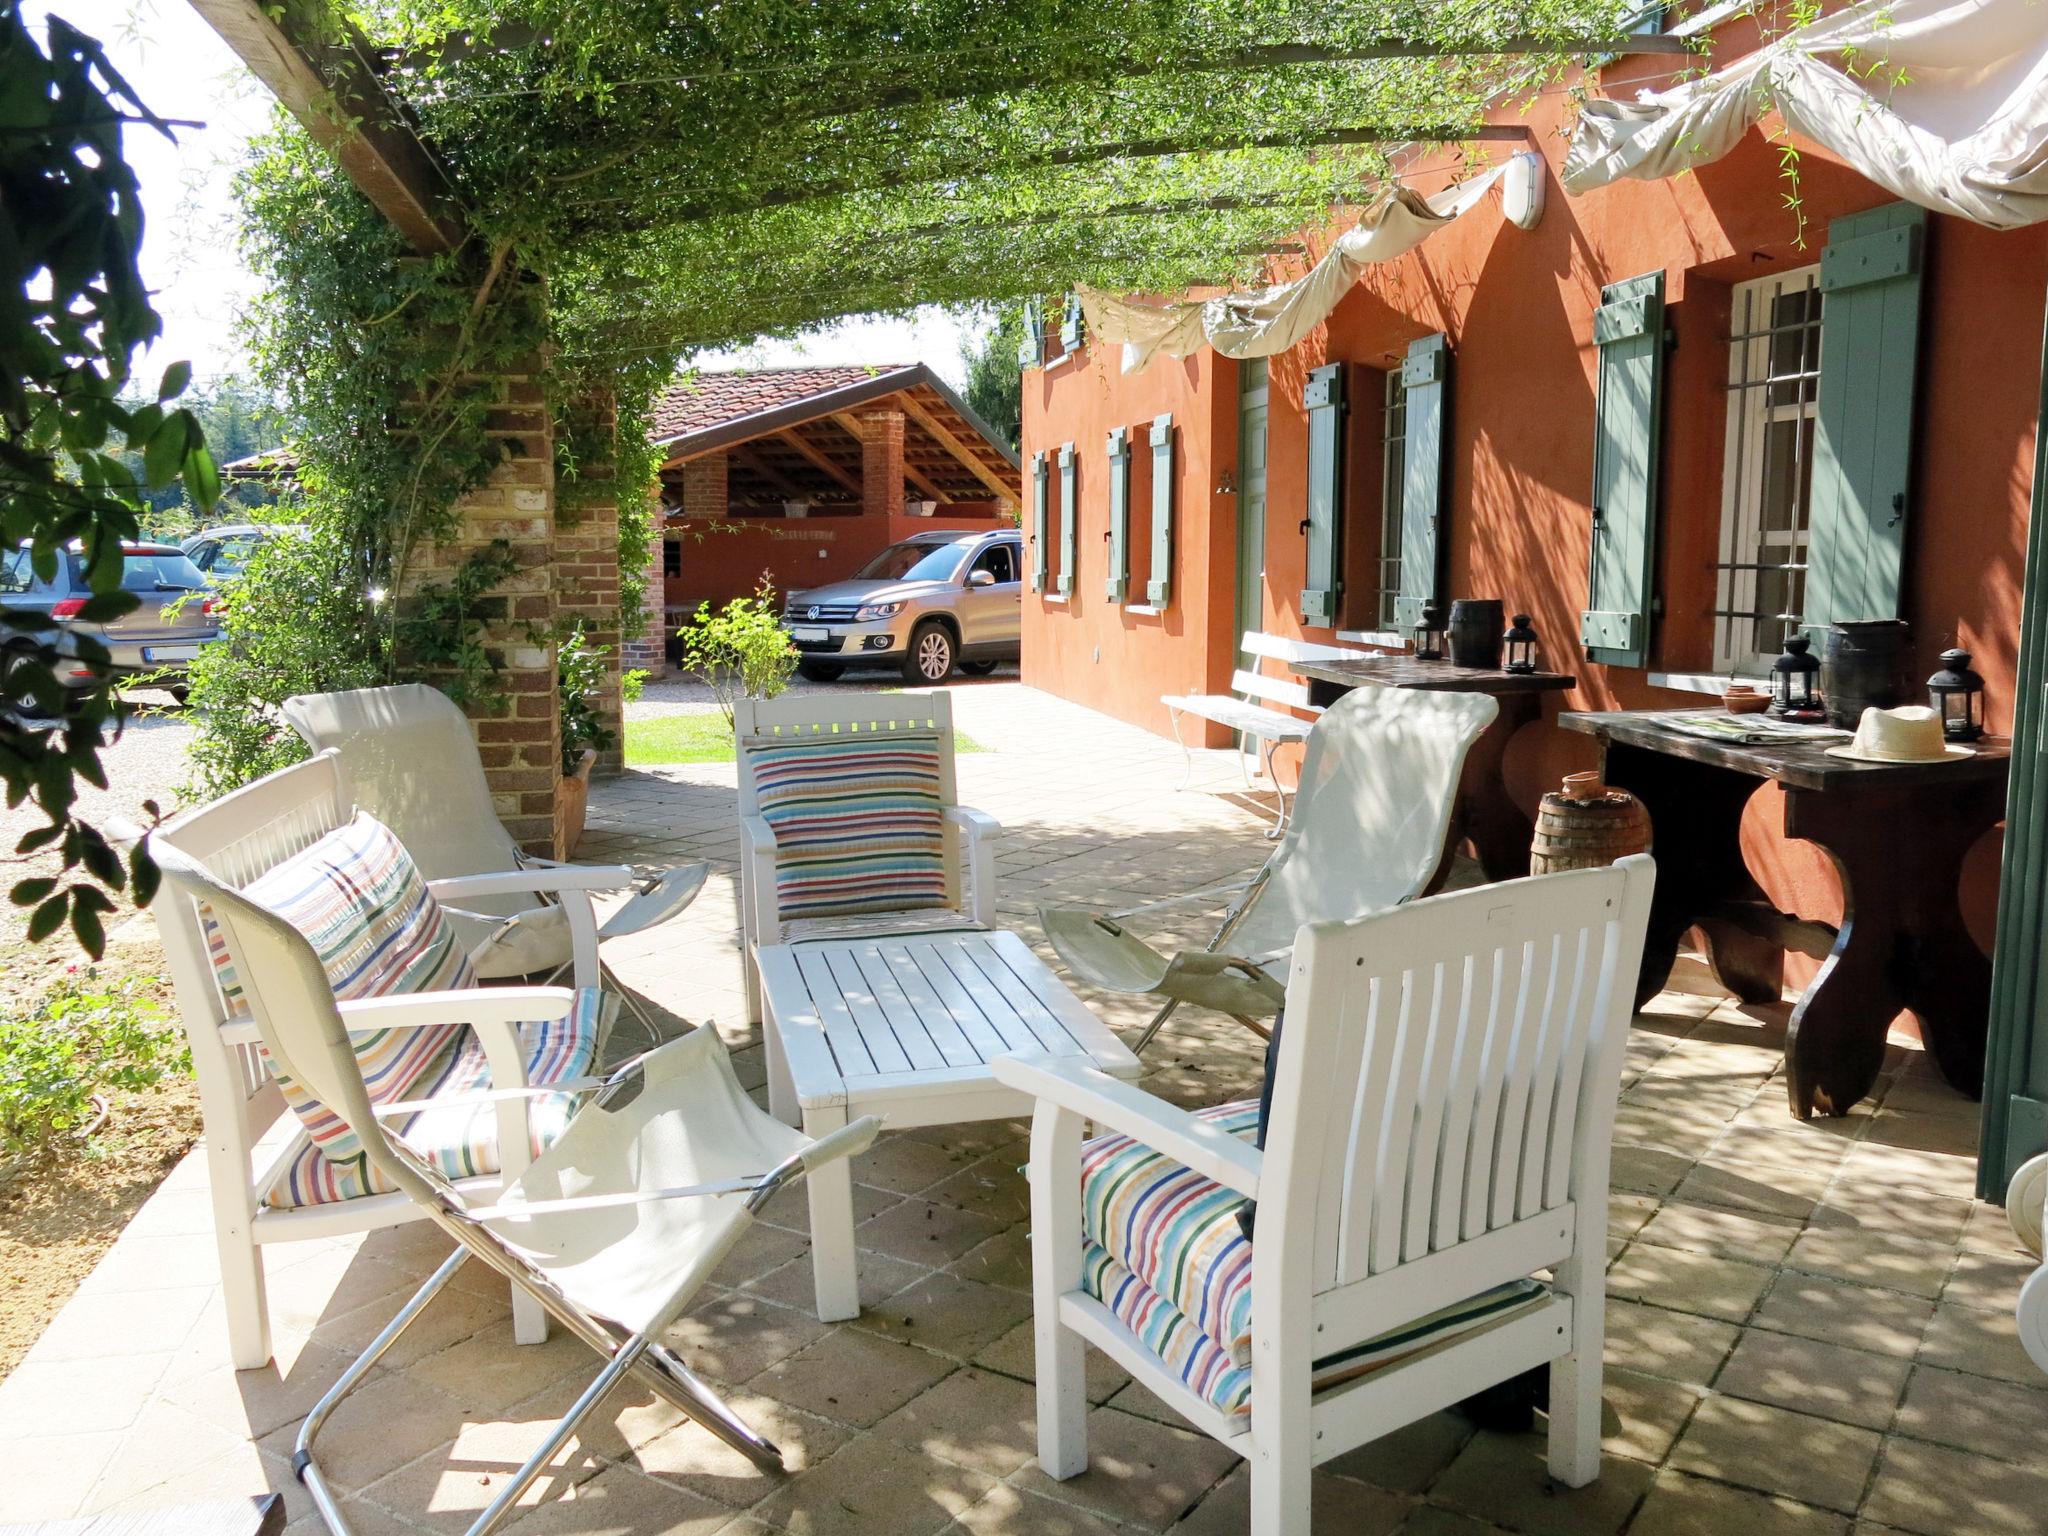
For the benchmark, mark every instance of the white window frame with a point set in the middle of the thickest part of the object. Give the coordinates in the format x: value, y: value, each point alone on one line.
x: 1744, y: 543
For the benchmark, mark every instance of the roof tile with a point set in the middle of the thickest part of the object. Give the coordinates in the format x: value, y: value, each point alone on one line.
x: 705, y: 400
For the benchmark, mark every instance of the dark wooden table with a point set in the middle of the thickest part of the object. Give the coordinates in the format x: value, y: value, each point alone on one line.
x: 1896, y: 832
x: 1485, y: 812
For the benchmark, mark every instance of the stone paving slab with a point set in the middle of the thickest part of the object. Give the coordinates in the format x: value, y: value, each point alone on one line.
x: 1811, y: 1330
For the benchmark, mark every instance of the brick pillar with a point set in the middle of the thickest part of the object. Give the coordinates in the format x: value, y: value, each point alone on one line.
x: 520, y: 739
x: 881, y: 463
x: 646, y: 647
x: 704, y: 492
x: 587, y: 560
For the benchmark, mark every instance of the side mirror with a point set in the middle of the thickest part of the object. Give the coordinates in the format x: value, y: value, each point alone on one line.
x: 981, y: 578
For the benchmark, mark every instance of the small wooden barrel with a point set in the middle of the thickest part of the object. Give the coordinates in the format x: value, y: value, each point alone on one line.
x: 1588, y: 833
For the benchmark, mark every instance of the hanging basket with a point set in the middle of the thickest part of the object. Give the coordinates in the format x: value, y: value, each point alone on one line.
x: 1588, y: 826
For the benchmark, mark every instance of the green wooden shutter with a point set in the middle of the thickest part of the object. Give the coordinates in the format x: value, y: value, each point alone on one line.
x: 1425, y: 381
x: 1070, y: 514
x: 1118, y: 581
x: 1031, y: 350
x: 1324, y: 397
x: 1038, y: 521
x: 1863, y: 438
x: 1628, y: 328
x: 1159, y: 588
x: 1073, y: 325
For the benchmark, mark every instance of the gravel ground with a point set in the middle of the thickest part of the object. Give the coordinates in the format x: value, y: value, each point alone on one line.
x: 685, y: 696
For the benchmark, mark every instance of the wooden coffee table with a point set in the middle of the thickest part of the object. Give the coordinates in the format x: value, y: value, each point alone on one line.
x: 905, y: 1028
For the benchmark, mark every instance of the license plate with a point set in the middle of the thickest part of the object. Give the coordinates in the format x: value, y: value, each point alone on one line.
x: 169, y: 652
x: 811, y: 636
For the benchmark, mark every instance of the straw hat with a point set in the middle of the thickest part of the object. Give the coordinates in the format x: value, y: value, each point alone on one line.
x: 1911, y: 734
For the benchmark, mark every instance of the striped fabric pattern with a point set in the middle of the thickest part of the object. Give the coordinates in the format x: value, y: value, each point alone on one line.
x: 1176, y: 1231
x: 858, y: 821
x: 1206, y: 1370
x: 360, y: 900
x: 461, y: 1140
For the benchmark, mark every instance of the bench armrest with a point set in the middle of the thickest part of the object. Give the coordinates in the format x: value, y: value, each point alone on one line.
x: 466, y: 1005
x: 980, y: 831
x: 1130, y: 1111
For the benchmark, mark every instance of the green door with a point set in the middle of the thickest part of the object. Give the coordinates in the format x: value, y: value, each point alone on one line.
x: 1251, y: 499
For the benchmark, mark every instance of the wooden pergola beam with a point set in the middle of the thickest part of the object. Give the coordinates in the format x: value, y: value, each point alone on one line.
x: 745, y: 457
x: 320, y: 66
x: 818, y: 459
x: 939, y: 433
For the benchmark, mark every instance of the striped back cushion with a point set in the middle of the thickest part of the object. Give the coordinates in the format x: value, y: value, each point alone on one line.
x: 858, y: 821
x: 358, y: 897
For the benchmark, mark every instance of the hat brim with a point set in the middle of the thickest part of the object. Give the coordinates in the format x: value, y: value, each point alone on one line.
x: 1948, y: 750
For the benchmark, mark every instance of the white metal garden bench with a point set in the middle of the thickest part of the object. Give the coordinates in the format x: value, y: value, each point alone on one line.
x: 1237, y: 710
x: 1438, y: 1139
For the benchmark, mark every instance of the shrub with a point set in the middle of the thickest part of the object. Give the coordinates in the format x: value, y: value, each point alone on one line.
x: 580, y: 672
x: 83, y: 1038
x: 742, y: 651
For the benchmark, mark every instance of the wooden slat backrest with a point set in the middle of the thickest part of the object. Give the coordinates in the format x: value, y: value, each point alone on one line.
x: 1450, y: 1068
x: 1272, y: 689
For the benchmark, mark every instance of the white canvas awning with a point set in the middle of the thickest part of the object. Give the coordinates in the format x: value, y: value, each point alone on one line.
x: 1262, y: 322
x: 1943, y: 102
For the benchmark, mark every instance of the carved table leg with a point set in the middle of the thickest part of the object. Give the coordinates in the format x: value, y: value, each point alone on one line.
x: 1499, y: 830
x: 1696, y: 823
x: 1902, y: 944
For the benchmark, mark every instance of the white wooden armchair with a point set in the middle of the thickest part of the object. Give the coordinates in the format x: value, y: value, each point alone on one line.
x: 1442, y: 1112
x: 284, y: 1189
x: 851, y: 826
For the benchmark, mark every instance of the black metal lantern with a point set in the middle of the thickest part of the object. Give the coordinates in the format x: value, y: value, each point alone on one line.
x: 1429, y: 634
x: 1792, y: 675
x: 1518, y: 646
x: 1957, y: 694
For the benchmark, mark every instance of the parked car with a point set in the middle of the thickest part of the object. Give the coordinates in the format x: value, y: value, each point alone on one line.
x: 222, y: 552
x: 926, y: 605
x: 163, y: 633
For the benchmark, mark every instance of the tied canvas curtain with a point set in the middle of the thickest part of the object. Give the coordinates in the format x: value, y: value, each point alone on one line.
x: 1263, y: 322
x: 1944, y: 102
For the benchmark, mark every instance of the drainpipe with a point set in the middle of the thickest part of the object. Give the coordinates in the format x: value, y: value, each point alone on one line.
x: 2015, y: 1125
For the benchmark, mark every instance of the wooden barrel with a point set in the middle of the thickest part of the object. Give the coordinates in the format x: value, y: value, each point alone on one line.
x: 1588, y: 833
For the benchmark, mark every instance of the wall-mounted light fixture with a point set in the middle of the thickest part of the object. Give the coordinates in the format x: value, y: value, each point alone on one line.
x: 1226, y: 484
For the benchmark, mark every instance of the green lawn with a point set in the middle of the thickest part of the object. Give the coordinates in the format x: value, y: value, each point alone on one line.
x: 702, y: 739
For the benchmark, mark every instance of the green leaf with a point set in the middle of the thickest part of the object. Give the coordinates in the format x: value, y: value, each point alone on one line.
x: 176, y: 377
x: 143, y: 875
x: 202, y: 477
x: 48, y: 918
x: 90, y: 931
x: 165, y: 451
x: 27, y: 893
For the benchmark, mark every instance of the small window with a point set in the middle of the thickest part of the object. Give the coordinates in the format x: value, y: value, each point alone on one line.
x: 1767, y: 478
x: 203, y: 555
x: 1000, y: 561
x: 1393, y: 475
x: 15, y: 572
x: 671, y: 557
x: 1375, y: 466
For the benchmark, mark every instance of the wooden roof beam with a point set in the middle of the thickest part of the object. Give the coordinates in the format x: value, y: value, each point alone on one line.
x: 324, y: 71
x: 819, y: 460
x: 939, y: 433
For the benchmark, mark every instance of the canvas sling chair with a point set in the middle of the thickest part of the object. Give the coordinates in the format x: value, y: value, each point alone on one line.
x: 1372, y: 808
x: 410, y: 758
x: 612, y: 1229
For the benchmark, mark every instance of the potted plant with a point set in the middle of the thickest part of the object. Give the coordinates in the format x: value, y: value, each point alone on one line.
x: 580, y: 676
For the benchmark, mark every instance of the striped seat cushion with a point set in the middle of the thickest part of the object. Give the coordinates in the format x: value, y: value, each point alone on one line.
x: 858, y: 820
x: 358, y: 897
x: 461, y: 1140
x: 1200, y: 1365
x: 1166, y: 1254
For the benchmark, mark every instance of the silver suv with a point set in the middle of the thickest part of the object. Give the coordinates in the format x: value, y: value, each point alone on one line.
x: 929, y: 604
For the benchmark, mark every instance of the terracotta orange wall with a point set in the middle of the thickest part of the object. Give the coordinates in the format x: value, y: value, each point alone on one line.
x: 1518, y: 306
x: 724, y: 558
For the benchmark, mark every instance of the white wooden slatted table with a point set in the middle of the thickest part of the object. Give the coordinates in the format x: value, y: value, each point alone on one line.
x: 905, y: 1028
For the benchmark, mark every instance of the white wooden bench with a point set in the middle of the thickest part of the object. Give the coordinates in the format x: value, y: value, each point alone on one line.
x: 1237, y: 710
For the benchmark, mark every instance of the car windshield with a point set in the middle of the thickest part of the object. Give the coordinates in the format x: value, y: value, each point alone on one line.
x: 150, y: 571
x: 914, y: 562
x: 234, y: 554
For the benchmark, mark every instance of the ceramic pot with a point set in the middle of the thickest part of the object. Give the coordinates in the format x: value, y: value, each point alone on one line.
x: 572, y: 804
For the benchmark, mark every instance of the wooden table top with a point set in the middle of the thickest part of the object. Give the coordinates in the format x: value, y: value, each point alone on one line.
x: 1796, y: 767
x: 1429, y: 676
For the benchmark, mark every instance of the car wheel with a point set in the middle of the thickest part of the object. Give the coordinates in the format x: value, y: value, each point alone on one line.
x: 931, y: 654
x: 17, y: 698
x: 979, y: 668
x: 819, y: 671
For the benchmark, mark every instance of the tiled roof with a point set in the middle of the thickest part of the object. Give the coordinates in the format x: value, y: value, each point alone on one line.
x: 712, y: 399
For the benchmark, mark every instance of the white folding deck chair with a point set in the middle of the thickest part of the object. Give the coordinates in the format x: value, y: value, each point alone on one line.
x: 612, y: 1229
x: 274, y: 1193
x: 1441, y: 1120
x: 1379, y: 780
x: 411, y: 760
x: 851, y: 826
x: 2026, y: 1206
